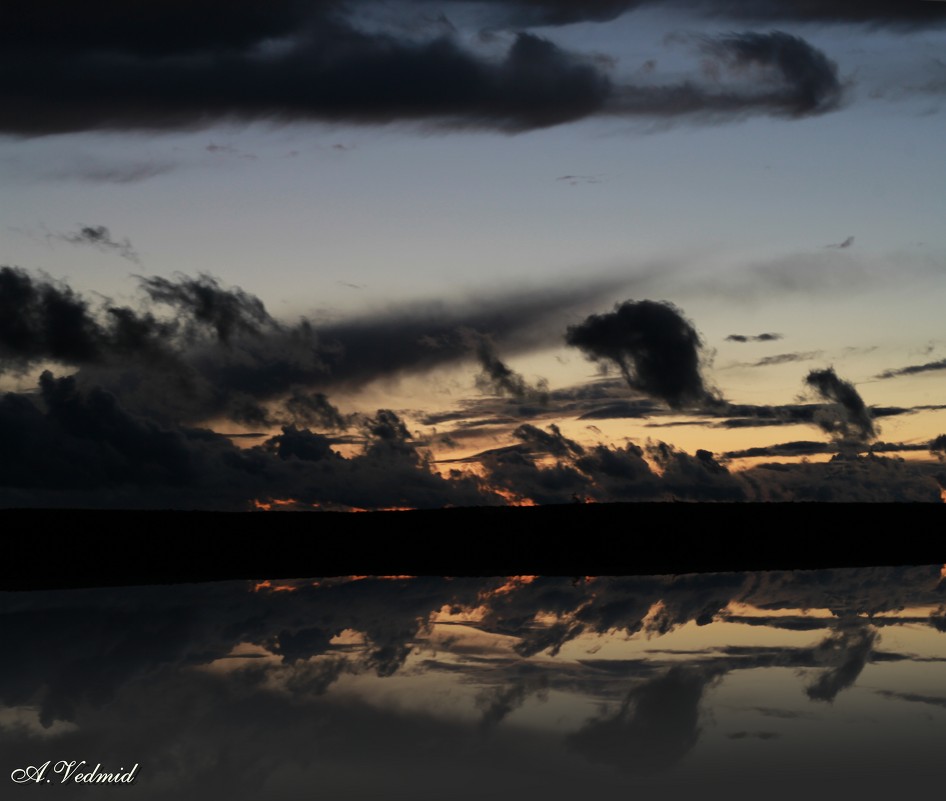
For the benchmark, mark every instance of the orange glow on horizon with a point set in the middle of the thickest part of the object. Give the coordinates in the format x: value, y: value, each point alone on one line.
x: 511, y: 498
x: 268, y: 585
x: 268, y: 506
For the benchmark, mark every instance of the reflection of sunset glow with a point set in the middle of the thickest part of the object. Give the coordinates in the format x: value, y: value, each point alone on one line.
x: 942, y: 494
x: 382, y: 509
x: 512, y: 584
x: 271, y: 504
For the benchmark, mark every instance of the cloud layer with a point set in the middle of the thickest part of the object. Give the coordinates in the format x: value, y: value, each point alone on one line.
x: 170, y: 68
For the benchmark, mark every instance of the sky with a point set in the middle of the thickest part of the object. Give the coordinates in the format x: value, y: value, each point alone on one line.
x: 416, y: 254
x: 798, y: 682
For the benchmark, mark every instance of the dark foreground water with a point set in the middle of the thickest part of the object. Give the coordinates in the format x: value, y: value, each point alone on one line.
x: 805, y: 684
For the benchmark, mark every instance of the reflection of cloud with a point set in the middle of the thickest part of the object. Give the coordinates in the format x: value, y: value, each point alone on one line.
x: 848, y: 649
x: 761, y: 735
x: 932, y: 700
x: 653, y: 729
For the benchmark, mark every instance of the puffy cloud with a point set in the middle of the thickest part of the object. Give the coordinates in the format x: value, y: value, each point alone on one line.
x: 849, y: 419
x: 656, y: 349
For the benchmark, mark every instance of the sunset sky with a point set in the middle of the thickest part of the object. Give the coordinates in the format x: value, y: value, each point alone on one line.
x: 397, y: 254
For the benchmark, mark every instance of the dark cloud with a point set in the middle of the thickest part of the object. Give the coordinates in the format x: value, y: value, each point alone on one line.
x: 603, y: 473
x: 98, y: 236
x: 845, y: 244
x: 807, y: 80
x: 328, y: 71
x: 81, y: 448
x: 498, y: 378
x: 656, y: 349
x: 807, y: 448
x: 314, y: 409
x: 743, y: 415
x: 42, y: 320
x: 753, y: 338
x: 772, y: 73
x: 913, y: 369
x: 850, y: 418
x: 317, y: 61
x: 878, y: 13
x: 574, y: 180
x: 423, y: 336
x: 845, y: 479
x: 124, y: 429
x: 194, y: 349
x: 938, y: 446
x: 786, y: 358
x: 621, y: 410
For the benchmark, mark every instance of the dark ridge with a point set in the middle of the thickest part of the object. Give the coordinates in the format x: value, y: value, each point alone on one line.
x: 43, y: 549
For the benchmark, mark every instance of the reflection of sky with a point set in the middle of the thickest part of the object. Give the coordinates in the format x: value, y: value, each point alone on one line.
x: 472, y: 688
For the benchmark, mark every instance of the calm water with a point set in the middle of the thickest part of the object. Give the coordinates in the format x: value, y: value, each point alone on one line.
x: 782, y: 685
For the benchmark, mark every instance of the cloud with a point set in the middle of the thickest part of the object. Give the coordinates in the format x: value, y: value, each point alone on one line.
x: 499, y: 379
x: 913, y: 369
x: 845, y: 479
x: 98, y: 236
x: 784, y: 358
x: 127, y: 173
x: 807, y: 81
x: 755, y: 338
x: 193, y: 349
x: 603, y: 473
x: 850, y: 418
x: 318, y: 61
x: 206, y: 303
x: 656, y: 349
x: 938, y: 446
x: 43, y: 320
x: 841, y: 245
x: 807, y: 448
x: 77, y: 447
x: 125, y: 426
x: 877, y: 13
